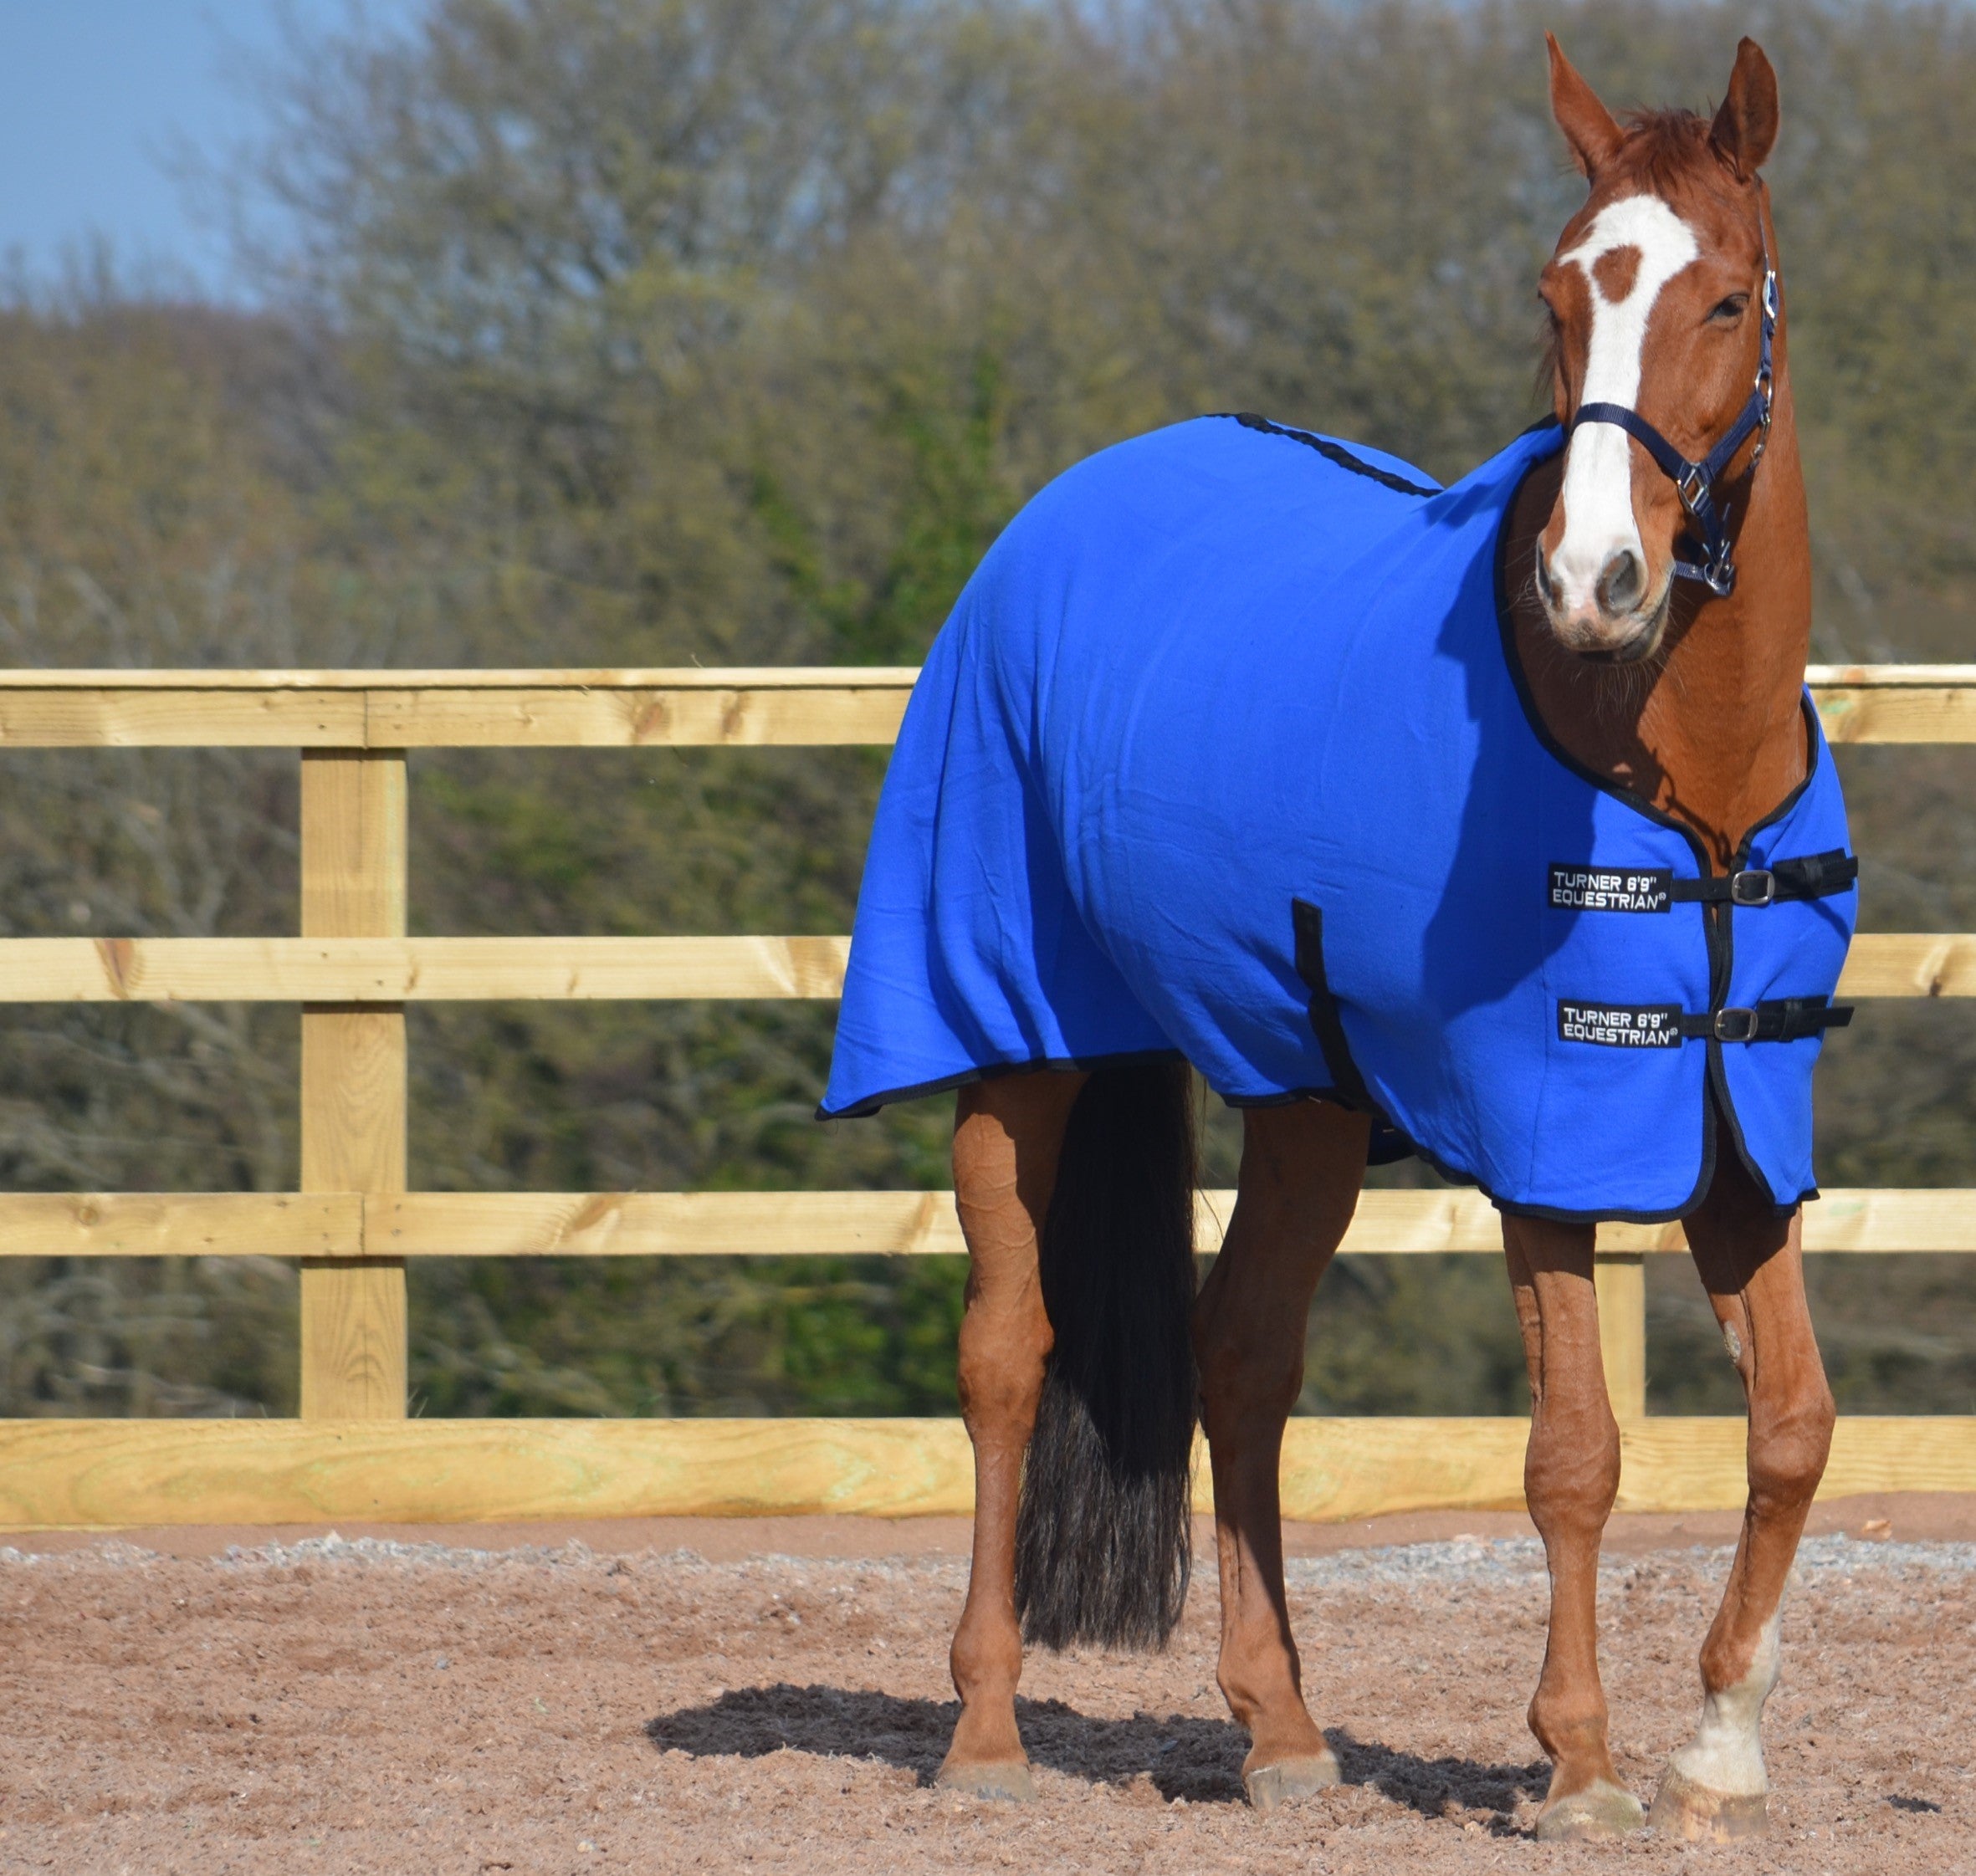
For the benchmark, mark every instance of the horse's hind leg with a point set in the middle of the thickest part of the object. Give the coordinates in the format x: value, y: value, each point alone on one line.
x: 1716, y: 1786
x: 1571, y: 1476
x: 1300, y: 1168
x: 1008, y: 1136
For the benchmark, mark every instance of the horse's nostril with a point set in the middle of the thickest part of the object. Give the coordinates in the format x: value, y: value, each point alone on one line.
x: 1547, y: 580
x: 1622, y: 582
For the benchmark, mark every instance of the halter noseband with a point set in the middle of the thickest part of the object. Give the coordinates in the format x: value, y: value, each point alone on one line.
x: 1695, y: 481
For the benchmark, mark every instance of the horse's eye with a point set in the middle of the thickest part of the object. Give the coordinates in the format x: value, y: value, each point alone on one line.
x: 1728, y: 311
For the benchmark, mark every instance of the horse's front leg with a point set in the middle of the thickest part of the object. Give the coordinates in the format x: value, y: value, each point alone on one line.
x: 1301, y: 1169
x: 1571, y: 1476
x: 1750, y: 1263
x: 1008, y: 1138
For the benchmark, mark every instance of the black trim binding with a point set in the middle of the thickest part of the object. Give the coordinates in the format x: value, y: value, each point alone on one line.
x: 1387, y: 1146
x: 1332, y: 452
x: 1288, y: 1098
x: 1128, y: 1058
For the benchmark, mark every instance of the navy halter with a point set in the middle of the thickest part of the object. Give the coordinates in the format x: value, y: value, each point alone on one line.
x: 1695, y: 481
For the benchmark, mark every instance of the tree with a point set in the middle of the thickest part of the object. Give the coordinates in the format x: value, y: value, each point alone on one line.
x: 650, y: 331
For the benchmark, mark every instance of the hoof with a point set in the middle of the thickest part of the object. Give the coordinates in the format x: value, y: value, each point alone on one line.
x: 1600, y: 1810
x: 1270, y: 1786
x: 1697, y: 1815
x: 1007, y: 1779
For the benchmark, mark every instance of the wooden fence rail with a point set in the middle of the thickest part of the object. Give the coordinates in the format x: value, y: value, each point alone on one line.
x: 347, y: 1224
x: 353, y: 967
x: 398, y: 970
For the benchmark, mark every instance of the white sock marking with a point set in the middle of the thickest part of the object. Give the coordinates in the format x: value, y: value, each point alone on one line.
x: 1598, y: 519
x: 1726, y: 1755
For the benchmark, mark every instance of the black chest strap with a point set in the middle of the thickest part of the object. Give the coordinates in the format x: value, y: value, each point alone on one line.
x: 1812, y: 876
x: 1776, y: 1019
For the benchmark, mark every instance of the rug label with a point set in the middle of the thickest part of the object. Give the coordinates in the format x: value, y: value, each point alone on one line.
x: 1620, y: 1025
x: 1607, y: 889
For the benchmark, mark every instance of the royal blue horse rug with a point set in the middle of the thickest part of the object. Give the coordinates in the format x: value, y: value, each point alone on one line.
x: 1226, y: 752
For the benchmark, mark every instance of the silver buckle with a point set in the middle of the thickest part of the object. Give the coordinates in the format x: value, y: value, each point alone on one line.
x: 1763, y: 891
x: 1766, y: 397
x: 1735, y: 1025
x: 1693, y: 489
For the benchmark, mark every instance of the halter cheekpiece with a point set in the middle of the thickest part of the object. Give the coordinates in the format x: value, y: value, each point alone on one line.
x: 1707, y: 560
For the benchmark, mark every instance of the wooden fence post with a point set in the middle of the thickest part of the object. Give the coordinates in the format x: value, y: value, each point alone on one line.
x: 354, y: 882
x: 1620, y: 1279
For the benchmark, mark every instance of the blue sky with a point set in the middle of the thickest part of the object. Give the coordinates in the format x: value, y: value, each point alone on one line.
x: 93, y: 93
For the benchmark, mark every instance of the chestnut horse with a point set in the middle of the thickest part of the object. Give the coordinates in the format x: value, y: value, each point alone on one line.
x: 1671, y: 678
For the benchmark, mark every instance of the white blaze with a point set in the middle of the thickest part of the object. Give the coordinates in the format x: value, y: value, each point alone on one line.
x: 1598, y: 519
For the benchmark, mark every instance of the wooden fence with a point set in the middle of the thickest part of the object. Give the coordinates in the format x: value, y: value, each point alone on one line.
x: 353, y: 1454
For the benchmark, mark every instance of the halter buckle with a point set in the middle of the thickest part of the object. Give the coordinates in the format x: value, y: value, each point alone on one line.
x: 1694, y: 488
x: 1769, y: 293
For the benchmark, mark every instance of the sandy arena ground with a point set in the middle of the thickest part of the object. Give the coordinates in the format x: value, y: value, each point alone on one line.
x: 772, y: 1696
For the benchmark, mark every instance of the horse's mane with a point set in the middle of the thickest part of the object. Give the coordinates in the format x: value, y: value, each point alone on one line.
x: 1661, y: 147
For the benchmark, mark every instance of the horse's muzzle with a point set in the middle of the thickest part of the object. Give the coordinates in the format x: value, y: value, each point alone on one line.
x: 1616, y: 623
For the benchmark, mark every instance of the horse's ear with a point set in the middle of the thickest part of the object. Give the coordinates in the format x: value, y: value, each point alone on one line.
x: 1588, y: 125
x: 1746, y: 126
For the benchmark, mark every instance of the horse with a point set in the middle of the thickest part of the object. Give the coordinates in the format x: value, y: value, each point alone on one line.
x: 1246, y: 749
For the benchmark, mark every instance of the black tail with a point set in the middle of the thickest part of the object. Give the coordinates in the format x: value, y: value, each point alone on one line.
x: 1102, y: 1540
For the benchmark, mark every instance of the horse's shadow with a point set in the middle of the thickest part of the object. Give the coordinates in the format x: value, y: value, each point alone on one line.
x: 1197, y: 1760
x: 1440, y: 1788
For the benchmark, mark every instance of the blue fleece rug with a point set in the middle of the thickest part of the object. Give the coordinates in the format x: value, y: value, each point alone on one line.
x: 1224, y: 751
